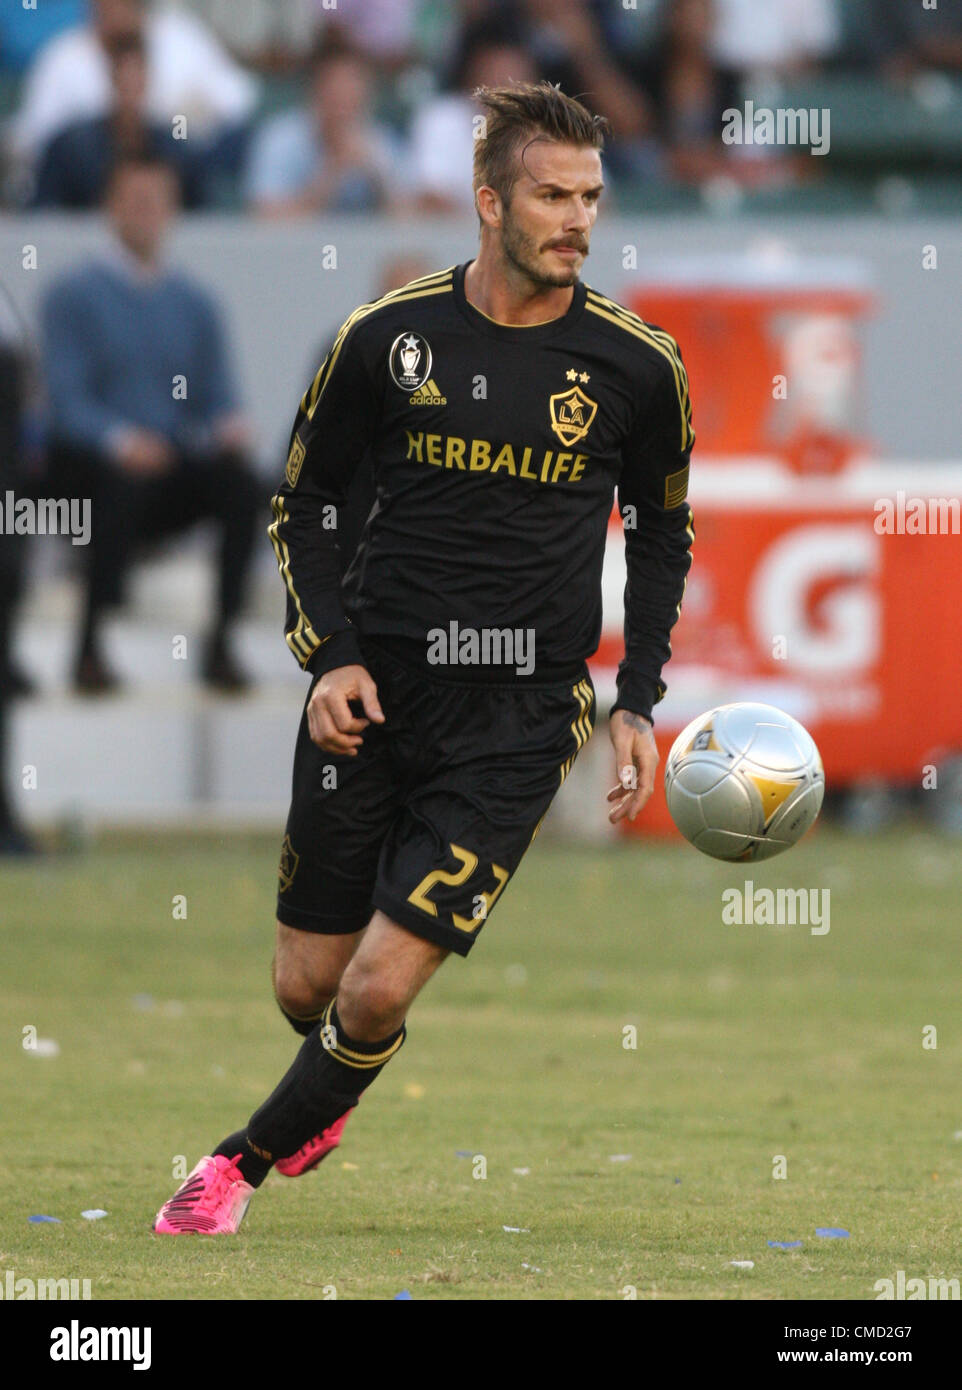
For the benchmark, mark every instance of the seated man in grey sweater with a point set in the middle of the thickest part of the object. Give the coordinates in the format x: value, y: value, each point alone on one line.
x: 144, y: 416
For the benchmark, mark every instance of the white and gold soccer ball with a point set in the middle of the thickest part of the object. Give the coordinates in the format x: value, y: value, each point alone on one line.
x: 744, y: 782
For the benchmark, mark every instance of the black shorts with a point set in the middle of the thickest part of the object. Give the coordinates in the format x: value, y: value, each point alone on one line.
x: 432, y: 817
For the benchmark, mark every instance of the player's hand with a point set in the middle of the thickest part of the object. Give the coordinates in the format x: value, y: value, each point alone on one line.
x: 232, y: 433
x: 330, y: 721
x: 144, y: 452
x: 636, y: 758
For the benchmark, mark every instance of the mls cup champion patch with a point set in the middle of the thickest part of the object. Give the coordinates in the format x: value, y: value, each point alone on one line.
x: 410, y: 361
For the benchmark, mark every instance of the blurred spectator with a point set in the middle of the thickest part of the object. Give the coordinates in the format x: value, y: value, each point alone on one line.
x: 568, y: 45
x: 329, y: 155
x: 13, y: 479
x: 144, y: 416
x: 686, y: 92
x: 773, y: 38
x: 23, y: 31
x: 913, y: 39
x: 756, y: 46
x: 189, y: 76
x: 442, y: 133
x: 384, y: 30
x: 13, y: 839
x: 75, y: 166
x: 274, y: 35
x: 269, y: 35
x: 559, y: 40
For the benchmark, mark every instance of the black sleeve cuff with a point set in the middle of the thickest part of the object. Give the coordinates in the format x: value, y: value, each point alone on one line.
x: 637, y: 696
x: 342, y: 648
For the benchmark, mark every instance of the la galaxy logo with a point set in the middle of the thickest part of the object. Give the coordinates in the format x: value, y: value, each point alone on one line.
x: 288, y: 865
x: 410, y: 361
x: 571, y: 414
x: 294, y: 461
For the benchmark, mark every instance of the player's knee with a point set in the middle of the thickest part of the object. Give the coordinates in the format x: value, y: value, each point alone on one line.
x: 300, y: 994
x: 371, y: 1004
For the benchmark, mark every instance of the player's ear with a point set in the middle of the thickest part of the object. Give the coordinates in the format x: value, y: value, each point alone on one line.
x: 488, y: 203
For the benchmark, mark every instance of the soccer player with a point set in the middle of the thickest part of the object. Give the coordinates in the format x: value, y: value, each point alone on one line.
x: 503, y: 402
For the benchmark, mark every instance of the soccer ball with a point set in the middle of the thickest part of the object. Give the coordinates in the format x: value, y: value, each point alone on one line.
x: 744, y: 782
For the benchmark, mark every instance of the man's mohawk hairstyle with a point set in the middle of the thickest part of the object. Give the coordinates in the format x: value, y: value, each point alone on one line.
x: 519, y: 112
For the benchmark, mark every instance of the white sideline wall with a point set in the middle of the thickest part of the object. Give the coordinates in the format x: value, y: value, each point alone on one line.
x: 165, y: 752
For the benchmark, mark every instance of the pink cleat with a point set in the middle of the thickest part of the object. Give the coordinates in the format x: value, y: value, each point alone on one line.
x: 311, y: 1153
x: 211, y: 1201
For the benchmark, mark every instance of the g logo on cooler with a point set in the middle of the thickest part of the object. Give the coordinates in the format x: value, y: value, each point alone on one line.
x: 847, y: 636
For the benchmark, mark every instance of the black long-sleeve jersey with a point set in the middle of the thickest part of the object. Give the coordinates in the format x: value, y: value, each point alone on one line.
x: 496, y: 450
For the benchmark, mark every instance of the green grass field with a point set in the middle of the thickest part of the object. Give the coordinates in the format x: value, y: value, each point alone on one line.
x: 650, y: 1168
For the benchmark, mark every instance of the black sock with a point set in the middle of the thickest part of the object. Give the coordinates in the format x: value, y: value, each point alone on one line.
x: 217, y: 635
x: 89, y: 637
x: 253, y: 1168
x: 303, y: 1024
x: 327, y: 1077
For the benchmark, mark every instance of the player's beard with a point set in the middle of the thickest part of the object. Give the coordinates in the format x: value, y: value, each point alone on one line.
x: 523, y: 253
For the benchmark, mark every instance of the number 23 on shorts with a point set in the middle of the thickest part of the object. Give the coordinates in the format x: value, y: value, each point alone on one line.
x: 484, y: 901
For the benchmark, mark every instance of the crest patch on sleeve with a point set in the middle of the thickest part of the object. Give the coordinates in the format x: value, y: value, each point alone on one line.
x: 676, y: 488
x: 294, y: 461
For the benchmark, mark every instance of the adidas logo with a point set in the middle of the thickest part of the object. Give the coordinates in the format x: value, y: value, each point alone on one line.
x: 428, y: 394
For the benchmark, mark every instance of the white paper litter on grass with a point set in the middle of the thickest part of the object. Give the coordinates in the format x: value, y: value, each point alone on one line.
x: 742, y: 1264
x: 93, y: 1213
x: 517, y: 1230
